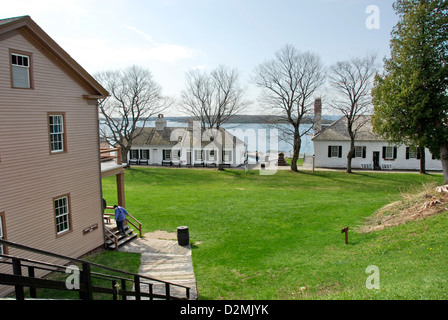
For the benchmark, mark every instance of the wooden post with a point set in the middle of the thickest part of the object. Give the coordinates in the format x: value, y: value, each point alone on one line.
x: 32, y: 275
x: 167, y: 291
x: 150, y: 291
x: 345, y: 230
x: 137, y: 287
x: 86, y: 279
x: 115, y: 287
x: 123, y: 289
x: 120, y: 190
x: 17, y: 271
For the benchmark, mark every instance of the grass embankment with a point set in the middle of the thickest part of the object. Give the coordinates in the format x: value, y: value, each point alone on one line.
x: 279, y: 236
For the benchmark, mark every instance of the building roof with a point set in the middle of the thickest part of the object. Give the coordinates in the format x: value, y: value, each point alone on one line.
x: 30, y: 30
x: 337, y: 131
x: 171, y: 136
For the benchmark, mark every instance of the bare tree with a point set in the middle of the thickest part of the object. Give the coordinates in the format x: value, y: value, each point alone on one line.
x: 212, y: 98
x: 352, y: 83
x: 288, y: 83
x: 135, y: 97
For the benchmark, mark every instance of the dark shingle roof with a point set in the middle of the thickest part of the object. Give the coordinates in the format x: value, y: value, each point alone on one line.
x: 170, y: 137
x: 337, y: 131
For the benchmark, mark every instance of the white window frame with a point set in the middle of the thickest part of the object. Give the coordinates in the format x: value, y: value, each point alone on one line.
x: 211, y: 155
x: 57, y: 133
x: 413, y: 152
x: 143, y: 151
x: 133, y: 151
x: 199, y: 155
x: 334, y: 151
x: 227, y: 155
x: 20, y: 65
x: 167, y: 153
x: 2, y: 233
x: 389, y: 154
x: 358, y: 151
x: 62, y: 214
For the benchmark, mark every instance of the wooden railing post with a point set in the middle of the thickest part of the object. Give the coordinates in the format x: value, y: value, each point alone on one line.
x: 123, y: 288
x: 86, y: 279
x: 137, y: 287
x: 32, y: 275
x: 115, y: 287
x: 150, y: 291
x: 167, y: 291
x: 17, y: 271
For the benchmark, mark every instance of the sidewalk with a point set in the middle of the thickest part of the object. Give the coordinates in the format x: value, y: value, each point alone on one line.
x: 164, y: 259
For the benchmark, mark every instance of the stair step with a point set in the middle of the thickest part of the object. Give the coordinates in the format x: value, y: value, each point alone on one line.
x: 130, y: 235
x: 122, y: 241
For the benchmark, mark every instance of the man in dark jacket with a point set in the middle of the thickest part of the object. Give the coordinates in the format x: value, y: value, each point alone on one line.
x: 120, y: 216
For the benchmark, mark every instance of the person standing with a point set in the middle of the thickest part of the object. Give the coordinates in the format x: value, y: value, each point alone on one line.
x: 120, y: 216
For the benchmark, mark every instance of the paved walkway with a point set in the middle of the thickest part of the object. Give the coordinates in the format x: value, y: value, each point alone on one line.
x: 165, y: 260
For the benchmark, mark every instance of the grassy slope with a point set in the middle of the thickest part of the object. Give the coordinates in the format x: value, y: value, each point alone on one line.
x: 265, y: 237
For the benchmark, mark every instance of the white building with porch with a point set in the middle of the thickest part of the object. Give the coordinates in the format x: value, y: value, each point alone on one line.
x: 185, y: 146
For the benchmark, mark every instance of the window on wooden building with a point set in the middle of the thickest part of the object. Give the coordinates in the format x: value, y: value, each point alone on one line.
x: 57, y: 133
x: 21, y: 70
x: 62, y: 214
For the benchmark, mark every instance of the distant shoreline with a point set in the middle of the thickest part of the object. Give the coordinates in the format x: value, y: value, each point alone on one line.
x: 256, y: 119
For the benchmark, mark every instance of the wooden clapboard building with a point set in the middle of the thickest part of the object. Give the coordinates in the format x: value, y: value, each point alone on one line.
x: 50, y: 171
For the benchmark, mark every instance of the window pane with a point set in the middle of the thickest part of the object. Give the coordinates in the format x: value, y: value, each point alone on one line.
x: 334, y: 151
x: 412, y: 152
x: 56, y: 133
x: 61, y: 214
x: 389, y: 152
x: 20, y: 77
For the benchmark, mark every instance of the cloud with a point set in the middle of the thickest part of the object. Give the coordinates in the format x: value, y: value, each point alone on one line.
x: 164, y: 51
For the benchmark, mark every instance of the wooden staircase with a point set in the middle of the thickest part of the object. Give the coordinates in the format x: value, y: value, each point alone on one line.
x: 114, y: 238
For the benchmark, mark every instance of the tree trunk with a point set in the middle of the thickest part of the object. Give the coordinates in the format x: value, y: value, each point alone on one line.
x: 422, y: 160
x: 221, y: 155
x: 444, y: 160
x: 296, y: 152
x: 124, y: 154
x: 350, y: 154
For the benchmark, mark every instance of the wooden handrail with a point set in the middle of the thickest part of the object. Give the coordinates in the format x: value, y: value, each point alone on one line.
x: 112, y: 237
x: 104, y: 158
x: 137, y: 224
x: 86, y: 289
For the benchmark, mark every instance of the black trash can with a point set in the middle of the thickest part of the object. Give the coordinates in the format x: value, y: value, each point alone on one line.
x: 183, y: 236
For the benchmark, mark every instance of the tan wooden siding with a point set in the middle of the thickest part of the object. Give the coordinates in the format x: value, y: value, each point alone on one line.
x: 30, y: 176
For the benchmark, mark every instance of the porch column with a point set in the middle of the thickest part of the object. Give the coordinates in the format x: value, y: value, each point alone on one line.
x: 120, y: 190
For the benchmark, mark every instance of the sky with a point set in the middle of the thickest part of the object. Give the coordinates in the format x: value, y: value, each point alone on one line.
x: 171, y: 37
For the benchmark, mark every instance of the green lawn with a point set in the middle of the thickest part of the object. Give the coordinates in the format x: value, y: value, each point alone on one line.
x: 265, y: 237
